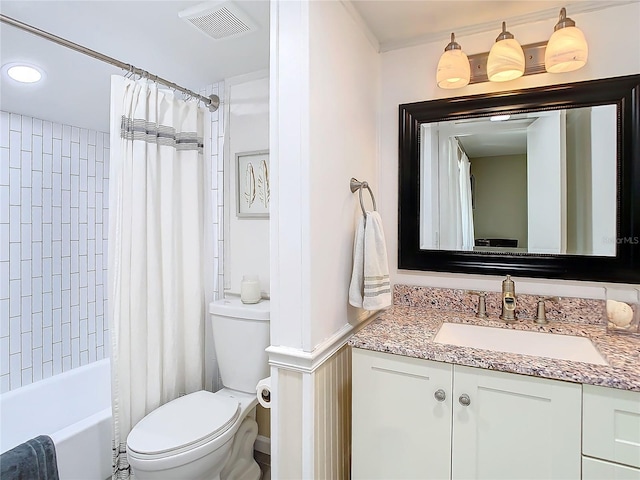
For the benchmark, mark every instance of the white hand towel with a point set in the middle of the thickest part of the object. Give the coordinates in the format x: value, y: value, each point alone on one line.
x: 357, y: 274
x: 377, y: 288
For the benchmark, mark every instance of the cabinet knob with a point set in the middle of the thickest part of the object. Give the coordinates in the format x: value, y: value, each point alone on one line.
x: 464, y: 400
x: 440, y: 395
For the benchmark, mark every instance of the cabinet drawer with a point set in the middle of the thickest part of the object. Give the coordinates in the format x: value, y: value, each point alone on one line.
x: 611, y: 425
x: 594, y: 469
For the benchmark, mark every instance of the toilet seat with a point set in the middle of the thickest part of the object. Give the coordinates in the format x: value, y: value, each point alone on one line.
x: 183, y: 424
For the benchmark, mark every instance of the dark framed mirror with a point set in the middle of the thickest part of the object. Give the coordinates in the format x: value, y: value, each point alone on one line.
x: 541, y: 182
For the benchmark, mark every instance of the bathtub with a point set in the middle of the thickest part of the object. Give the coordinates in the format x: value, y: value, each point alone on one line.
x: 74, y: 409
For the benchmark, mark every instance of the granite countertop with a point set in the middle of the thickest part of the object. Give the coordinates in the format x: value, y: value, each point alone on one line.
x: 409, y: 331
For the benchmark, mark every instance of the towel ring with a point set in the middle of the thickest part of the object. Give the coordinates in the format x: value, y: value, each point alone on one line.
x: 356, y: 185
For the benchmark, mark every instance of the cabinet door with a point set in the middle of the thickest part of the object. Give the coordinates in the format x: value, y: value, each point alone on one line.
x: 594, y: 469
x: 400, y: 430
x: 515, y: 427
x: 612, y: 425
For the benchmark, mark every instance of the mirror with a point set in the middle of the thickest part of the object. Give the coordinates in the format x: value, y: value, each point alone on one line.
x: 541, y: 182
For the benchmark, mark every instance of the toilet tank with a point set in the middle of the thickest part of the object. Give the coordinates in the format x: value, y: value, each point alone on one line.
x: 241, y: 335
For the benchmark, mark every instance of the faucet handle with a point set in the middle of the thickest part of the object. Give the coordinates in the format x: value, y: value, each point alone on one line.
x: 541, y: 318
x: 482, y: 306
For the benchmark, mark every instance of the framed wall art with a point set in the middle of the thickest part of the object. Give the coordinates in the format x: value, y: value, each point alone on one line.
x: 252, y: 184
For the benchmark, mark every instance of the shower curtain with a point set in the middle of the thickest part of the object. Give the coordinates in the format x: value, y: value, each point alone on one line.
x: 157, y: 248
x: 457, y: 232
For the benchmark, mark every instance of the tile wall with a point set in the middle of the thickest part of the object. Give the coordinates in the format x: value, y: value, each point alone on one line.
x: 53, y: 248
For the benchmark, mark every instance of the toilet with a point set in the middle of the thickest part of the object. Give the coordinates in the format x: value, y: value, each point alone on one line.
x: 206, y: 435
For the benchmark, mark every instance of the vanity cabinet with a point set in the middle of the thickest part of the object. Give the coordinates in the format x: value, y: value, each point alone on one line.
x: 611, y: 434
x: 419, y: 419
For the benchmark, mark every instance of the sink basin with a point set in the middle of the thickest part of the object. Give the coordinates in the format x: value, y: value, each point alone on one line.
x: 563, y: 347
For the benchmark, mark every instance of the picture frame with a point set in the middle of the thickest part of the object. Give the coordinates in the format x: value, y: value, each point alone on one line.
x: 252, y: 184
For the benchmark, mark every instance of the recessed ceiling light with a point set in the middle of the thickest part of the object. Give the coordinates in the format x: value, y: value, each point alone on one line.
x: 500, y: 118
x: 23, y: 73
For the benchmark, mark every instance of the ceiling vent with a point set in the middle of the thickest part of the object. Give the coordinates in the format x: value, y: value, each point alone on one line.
x: 218, y: 20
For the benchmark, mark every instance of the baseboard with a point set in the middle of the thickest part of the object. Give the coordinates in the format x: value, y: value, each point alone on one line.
x: 263, y: 445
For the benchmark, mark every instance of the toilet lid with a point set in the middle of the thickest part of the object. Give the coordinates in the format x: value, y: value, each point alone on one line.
x: 187, y: 421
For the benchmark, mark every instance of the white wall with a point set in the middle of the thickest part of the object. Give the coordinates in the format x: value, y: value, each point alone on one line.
x: 247, y: 245
x: 408, y: 75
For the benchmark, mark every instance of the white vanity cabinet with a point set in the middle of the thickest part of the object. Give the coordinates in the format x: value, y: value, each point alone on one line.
x: 419, y: 419
x: 611, y: 434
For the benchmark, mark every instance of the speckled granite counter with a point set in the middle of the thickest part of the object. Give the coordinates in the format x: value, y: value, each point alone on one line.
x: 409, y: 331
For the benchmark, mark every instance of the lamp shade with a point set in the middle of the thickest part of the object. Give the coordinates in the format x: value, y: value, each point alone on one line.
x: 506, y: 58
x: 453, y: 67
x: 567, y: 48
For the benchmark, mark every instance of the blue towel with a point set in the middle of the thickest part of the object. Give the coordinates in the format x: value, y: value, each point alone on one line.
x: 32, y: 460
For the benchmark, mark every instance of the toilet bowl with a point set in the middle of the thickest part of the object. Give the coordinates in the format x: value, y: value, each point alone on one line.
x: 206, y: 435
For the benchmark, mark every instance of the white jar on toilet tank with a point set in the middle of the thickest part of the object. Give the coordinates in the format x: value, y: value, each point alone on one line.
x: 250, y: 289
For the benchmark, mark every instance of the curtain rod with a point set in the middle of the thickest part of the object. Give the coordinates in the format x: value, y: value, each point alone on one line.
x: 212, y: 101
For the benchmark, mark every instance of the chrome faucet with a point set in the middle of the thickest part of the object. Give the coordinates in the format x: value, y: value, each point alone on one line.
x: 508, y: 300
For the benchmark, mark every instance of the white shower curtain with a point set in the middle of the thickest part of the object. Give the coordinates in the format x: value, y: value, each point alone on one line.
x: 457, y: 232
x: 157, y: 249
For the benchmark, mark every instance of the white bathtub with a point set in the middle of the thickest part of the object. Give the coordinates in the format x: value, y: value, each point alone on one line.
x: 74, y: 409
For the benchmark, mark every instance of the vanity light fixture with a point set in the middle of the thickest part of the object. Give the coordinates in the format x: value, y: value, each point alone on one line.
x: 506, y: 58
x: 567, y: 49
x: 453, y: 67
x: 500, y: 118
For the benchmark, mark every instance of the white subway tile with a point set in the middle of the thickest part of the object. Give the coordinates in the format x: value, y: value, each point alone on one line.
x: 4, y: 356
x: 4, y: 242
x: 36, y: 294
x: 92, y: 286
x: 75, y: 222
x: 91, y: 318
x: 74, y: 163
x: 91, y: 192
x: 25, y: 314
x: 56, y: 247
x: 57, y: 130
x: 37, y: 126
x: 83, y: 334
x: 99, y: 302
x: 15, y: 371
x: 47, y: 234
x: 25, y: 206
x: 4, y: 166
x: 47, y: 369
x: 75, y: 256
x: 84, y: 357
x: 75, y: 190
x: 66, y: 273
x: 25, y: 168
x: 66, y: 239
x: 84, y: 281
x: 36, y: 330
x: 75, y: 134
x: 25, y: 280
x: 56, y: 223
x: 66, y: 306
x: 4, y: 280
x: 66, y: 140
x: 84, y: 299
x: 92, y: 137
x: 47, y: 196
x: 25, y: 241
x: 37, y: 364
x: 92, y: 347
x: 37, y: 155
x: 75, y: 321
x: 82, y: 206
x: 5, y: 383
x: 15, y: 335
x: 26, y: 130
x: 36, y: 189
x: 4, y: 129
x: 27, y: 377
x: 57, y: 358
x: 57, y: 156
x: 91, y: 254
x: 57, y: 189
x: 4, y: 317
x: 15, y: 260
x: 66, y: 339
x: 47, y: 170
x: 26, y: 350
x: 14, y: 187
x: 57, y: 325
x: 83, y: 232
x: 57, y: 291
x: 36, y: 224
x: 15, y: 300
x: 99, y: 238
x: 75, y: 352
x: 48, y: 144
x: 99, y: 267
x: 66, y: 363
x: 66, y: 173
x: 91, y: 224
x: 47, y: 344
x: 47, y: 309
x: 100, y: 354
x: 84, y: 169
x: 15, y: 142
x: 47, y: 130
x: 99, y: 175
x: 83, y: 142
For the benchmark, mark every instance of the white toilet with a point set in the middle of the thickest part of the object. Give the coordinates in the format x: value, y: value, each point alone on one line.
x: 204, y: 435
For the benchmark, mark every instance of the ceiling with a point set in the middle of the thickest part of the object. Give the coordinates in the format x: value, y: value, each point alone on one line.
x: 149, y: 35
